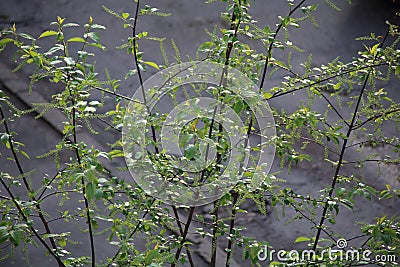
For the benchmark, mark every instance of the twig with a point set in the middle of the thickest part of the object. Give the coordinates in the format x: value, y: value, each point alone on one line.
x: 185, y: 232
x: 178, y: 222
x: 231, y: 228
x: 234, y: 26
x: 278, y: 94
x: 49, y: 183
x: 78, y: 157
x: 131, y: 234
x: 269, y: 51
x: 37, y: 205
x: 214, y: 235
x: 344, y: 146
x: 359, y: 125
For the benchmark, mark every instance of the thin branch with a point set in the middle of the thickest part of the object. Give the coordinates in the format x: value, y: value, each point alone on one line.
x: 139, y: 73
x: 363, y: 245
x: 5, y: 198
x: 311, y: 221
x: 49, y: 183
x: 334, y: 109
x: 78, y: 157
x: 114, y: 94
x: 233, y: 26
x: 178, y: 222
x: 269, y: 51
x: 184, y: 235
x: 214, y: 235
x: 131, y: 234
x: 231, y: 229
x: 17, y: 205
x: 387, y: 161
x: 58, y: 192
x: 109, y: 124
x: 359, y: 125
x: 369, y: 142
x: 278, y: 94
x: 344, y: 146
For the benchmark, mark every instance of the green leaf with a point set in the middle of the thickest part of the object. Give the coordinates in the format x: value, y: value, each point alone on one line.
x: 69, y: 60
x: 80, y: 67
x: 98, y: 46
x: 76, y: 40
x: 150, y: 256
x: 376, y: 233
x: 94, y: 36
x: 340, y: 191
x: 23, y: 153
x: 191, y: 152
x: 280, y: 64
x: 53, y: 50
x: 48, y: 33
x: 397, y: 71
x: 204, y: 47
x: 26, y: 36
x: 62, y: 242
x: 60, y: 20
x: 386, y: 238
x: 238, y: 106
x: 15, y: 237
x: 253, y: 253
x: 90, y: 190
x: 71, y: 25
x: 385, y: 194
x: 99, y: 194
x: 347, y: 203
x: 152, y: 64
x: 337, y: 86
x: 4, y: 138
x: 267, y: 95
x: 302, y: 239
x: 374, y: 49
x: 185, y: 139
x: 98, y: 26
x: 125, y: 15
x: 130, y: 73
x: 5, y: 41
x: 3, y: 236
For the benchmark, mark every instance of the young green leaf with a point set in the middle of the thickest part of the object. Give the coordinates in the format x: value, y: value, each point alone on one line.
x: 48, y: 33
x: 15, y: 237
x: 90, y: 191
x: 125, y: 15
x: 152, y: 64
x: 76, y: 40
x: 302, y: 239
x: 5, y: 41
